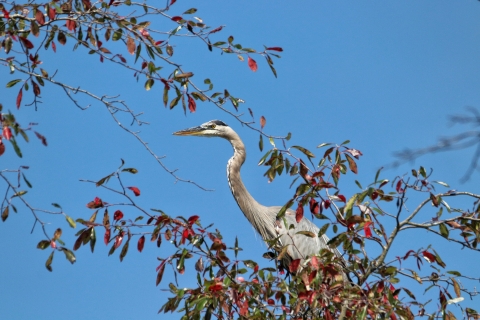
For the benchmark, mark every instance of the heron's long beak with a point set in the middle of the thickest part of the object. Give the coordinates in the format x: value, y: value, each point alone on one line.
x: 190, y: 131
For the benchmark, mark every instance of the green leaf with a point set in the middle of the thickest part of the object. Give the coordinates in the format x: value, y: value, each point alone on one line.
x: 26, y: 181
x: 455, y: 273
x: 117, y: 35
x: 307, y: 233
x: 443, y: 230
x: 16, y: 148
x: 349, y: 206
x: 42, y: 245
x: 423, y: 172
x: 190, y: 11
x: 69, y: 255
x: 262, y: 160
x: 260, y: 143
x: 124, y: 251
x: 304, y: 151
x: 323, y: 144
x: 323, y: 229
x: 48, y: 263
x: 282, y: 211
x: 13, y: 82
x: 56, y: 205
x: 71, y: 222
x: 289, y: 135
x: 149, y: 84
x: 93, y: 239
x: 442, y: 183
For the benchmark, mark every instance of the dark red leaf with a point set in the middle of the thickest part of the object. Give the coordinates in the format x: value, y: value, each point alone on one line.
x: 7, y: 133
x: 399, y: 186
x: 294, y: 265
x: 434, y: 199
x: 192, y: 219
x: 106, y: 237
x: 271, y: 302
x: 177, y: 18
x: 27, y: 43
x: 36, y: 88
x: 42, y: 138
x: 71, y: 25
x: 216, y: 29
x: 299, y: 213
x: 428, y: 256
x: 51, y: 13
x: 172, y: 2
x: 275, y: 49
x: 131, y: 46
x: 252, y: 64
x: 161, y: 269
x: 342, y: 198
x: 135, y: 190
x: 2, y: 147
x: 141, y: 243
x: 326, y: 204
x: 118, y: 215
x: 216, y: 287
x: 54, y: 46
x: 192, y: 106
x: 263, y: 121
x: 159, y: 42
x: 19, y: 98
x: 39, y: 17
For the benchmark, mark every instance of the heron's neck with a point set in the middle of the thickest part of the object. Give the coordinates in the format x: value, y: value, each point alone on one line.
x: 245, y: 201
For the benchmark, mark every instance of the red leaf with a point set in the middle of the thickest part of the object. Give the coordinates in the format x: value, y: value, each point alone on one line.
x: 294, y: 265
x: 51, y: 13
x: 71, y: 25
x: 106, y: 237
x: 299, y: 213
x: 40, y: 17
x: 399, y: 186
x: 159, y: 42
x: 131, y: 47
x: 6, y: 14
x: 342, y: 197
x: 36, y: 88
x: 252, y: 64
x: 271, y: 302
x: 141, y: 243
x: 216, y: 287
x: 326, y: 204
x: 380, y: 287
x: 184, y: 236
x: 428, y: 256
x: 27, y: 43
x: 192, y: 219
x: 275, y: 49
x: 314, y: 262
x: 135, y: 190
x: 19, y: 98
x: 118, y: 240
x: 177, y: 18
x: 192, y: 106
x: 172, y: 2
x: 366, y: 229
x: 54, y: 47
x: 216, y: 29
x: 42, y: 138
x: 314, y: 206
x: 2, y: 148
x: 7, y: 133
x: 118, y: 215
x: 96, y: 203
x: 263, y: 121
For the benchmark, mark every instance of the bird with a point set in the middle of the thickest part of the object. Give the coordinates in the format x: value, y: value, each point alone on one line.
x: 263, y: 218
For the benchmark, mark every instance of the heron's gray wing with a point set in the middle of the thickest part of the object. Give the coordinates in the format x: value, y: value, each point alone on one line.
x: 300, y: 245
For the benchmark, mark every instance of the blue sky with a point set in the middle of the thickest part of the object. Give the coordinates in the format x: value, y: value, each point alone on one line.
x: 383, y: 74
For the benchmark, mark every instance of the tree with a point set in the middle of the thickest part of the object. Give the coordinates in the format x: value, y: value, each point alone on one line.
x: 311, y: 291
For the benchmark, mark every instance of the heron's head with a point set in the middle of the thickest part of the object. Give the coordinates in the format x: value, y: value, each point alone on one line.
x: 213, y: 128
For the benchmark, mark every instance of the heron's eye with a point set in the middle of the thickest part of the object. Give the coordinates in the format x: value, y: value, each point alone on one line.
x: 212, y: 126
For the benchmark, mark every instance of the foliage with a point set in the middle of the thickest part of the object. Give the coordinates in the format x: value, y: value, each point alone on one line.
x: 366, y: 224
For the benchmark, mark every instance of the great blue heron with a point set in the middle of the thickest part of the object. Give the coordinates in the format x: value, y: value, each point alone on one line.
x: 262, y: 218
